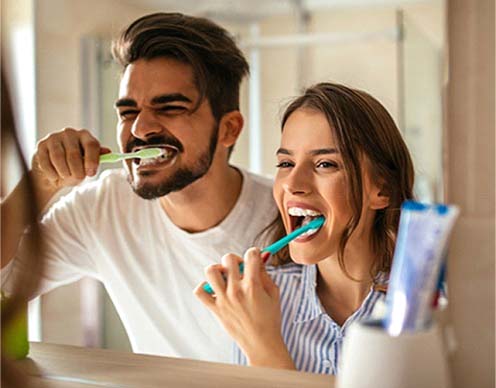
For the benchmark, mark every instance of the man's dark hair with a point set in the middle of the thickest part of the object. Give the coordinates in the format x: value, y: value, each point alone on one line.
x: 218, y: 64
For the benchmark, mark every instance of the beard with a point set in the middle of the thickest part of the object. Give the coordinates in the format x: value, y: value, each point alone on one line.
x: 182, y: 177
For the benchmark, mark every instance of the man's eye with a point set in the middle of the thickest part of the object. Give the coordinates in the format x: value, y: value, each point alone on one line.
x: 173, y: 109
x: 284, y: 165
x: 128, y: 113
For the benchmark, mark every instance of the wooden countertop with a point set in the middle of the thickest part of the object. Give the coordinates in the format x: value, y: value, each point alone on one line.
x: 51, y: 365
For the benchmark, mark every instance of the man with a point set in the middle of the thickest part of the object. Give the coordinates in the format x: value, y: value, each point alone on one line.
x: 180, y: 92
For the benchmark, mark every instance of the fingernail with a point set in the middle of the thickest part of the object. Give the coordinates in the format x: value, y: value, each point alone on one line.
x: 90, y: 171
x: 265, y: 256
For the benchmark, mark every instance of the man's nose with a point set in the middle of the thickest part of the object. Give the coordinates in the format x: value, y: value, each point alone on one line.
x: 297, y: 182
x: 146, y: 125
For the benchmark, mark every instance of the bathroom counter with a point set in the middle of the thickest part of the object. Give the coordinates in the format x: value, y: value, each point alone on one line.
x: 66, y: 366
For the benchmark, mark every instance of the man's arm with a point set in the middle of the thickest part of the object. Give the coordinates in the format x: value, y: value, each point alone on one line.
x: 16, y: 215
x: 62, y: 159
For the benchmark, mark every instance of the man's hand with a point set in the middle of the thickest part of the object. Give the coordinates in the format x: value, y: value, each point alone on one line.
x: 248, y: 307
x: 64, y: 159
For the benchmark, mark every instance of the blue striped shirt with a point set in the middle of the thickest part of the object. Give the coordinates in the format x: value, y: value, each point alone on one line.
x: 312, y: 337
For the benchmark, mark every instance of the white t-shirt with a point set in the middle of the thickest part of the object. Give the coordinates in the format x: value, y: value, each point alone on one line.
x: 148, y: 265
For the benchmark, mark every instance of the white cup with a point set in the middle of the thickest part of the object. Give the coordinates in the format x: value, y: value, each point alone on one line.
x: 372, y: 358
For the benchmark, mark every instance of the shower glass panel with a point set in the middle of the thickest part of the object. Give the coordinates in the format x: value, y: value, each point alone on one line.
x: 422, y: 107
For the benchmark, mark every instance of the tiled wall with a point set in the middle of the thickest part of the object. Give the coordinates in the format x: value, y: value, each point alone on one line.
x: 470, y: 184
x: 60, y: 25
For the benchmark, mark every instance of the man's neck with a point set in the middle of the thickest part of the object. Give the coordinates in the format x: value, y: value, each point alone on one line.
x: 206, y: 202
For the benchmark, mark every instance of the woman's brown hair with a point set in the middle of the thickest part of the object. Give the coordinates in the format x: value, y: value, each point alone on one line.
x: 361, y: 128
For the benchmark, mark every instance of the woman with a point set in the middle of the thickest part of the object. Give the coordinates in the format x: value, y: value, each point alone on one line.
x: 343, y: 158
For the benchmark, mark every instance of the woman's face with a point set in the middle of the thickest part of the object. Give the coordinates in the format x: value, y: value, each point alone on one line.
x: 310, y: 182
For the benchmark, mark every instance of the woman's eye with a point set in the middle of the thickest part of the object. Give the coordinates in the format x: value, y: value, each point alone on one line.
x: 327, y: 164
x: 284, y: 165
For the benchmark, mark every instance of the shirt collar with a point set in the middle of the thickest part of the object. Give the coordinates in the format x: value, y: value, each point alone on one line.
x: 309, y: 303
x: 309, y: 306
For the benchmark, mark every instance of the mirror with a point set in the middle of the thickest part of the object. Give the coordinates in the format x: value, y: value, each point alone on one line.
x: 394, y: 51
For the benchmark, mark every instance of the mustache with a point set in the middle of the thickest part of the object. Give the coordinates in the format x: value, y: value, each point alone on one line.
x: 156, y: 140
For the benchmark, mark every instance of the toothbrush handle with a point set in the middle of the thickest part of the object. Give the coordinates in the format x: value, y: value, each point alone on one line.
x: 278, y: 245
x: 111, y: 158
x: 265, y: 256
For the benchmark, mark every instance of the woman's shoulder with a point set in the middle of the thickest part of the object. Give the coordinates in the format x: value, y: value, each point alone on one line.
x: 381, y: 282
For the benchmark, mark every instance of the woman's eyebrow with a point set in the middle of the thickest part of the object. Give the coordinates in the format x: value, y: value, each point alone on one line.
x: 319, y: 151
x: 324, y: 151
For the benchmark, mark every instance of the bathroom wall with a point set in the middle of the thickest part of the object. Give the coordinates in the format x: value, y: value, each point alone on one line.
x: 470, y: 177
x: 59, y: 26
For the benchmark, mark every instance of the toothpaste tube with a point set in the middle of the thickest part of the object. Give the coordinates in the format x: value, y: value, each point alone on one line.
x: 422, y: 239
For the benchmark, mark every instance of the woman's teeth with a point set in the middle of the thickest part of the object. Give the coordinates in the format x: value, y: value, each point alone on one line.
x: 309, y: 232
x: 300, y: 217
x: 300, y: 212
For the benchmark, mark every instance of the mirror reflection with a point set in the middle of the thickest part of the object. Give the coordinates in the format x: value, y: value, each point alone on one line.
x: 229, y: 96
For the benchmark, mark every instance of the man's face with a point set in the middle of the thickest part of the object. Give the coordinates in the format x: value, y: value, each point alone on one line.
x: 155, y: 109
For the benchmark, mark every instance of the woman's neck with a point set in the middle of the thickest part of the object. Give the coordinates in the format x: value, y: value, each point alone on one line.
x: 342, y: 294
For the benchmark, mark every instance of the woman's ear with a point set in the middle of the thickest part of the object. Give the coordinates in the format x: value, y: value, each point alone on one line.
x: 376, y: 192
x: 230, y: 127
x: 379, y: 197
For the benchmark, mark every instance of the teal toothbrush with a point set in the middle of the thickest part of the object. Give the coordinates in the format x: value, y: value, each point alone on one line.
x: 144, y: 153
x: 279, y: 244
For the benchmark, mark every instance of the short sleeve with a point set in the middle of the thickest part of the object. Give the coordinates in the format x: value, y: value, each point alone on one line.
x: 65, y: 251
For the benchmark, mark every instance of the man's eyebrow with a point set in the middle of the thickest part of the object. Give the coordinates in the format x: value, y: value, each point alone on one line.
x: 125, y: 102
x: 158, y: 100
x: 320, y: 151
x: 283, y: 151
x: 174, y: 97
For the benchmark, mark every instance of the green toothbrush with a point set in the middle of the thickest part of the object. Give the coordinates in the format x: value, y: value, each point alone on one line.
x: 144, y: 153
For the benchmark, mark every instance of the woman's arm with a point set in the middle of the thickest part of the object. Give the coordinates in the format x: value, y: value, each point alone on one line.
x: 248, y: 307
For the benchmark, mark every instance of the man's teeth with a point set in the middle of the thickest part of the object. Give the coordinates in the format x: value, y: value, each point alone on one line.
x: 299, y: 212
x: 146, y: 161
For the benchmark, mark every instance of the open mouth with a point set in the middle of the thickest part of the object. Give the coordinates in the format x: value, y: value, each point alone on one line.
x: 300, y: 217
x: 167, y: 157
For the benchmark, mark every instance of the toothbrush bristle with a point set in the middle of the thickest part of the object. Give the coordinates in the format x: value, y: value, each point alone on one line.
x: 150, y: 153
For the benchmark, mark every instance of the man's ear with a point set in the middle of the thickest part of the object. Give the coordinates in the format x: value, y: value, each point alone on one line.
x: 379, y: 197
x: 230, y: 127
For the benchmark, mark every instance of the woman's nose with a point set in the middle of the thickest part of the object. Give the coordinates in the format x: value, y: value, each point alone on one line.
x: 297, y: 183
x: 145, y: 126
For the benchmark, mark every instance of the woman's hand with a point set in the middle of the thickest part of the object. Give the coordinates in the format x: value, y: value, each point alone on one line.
x: 248, y: 307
